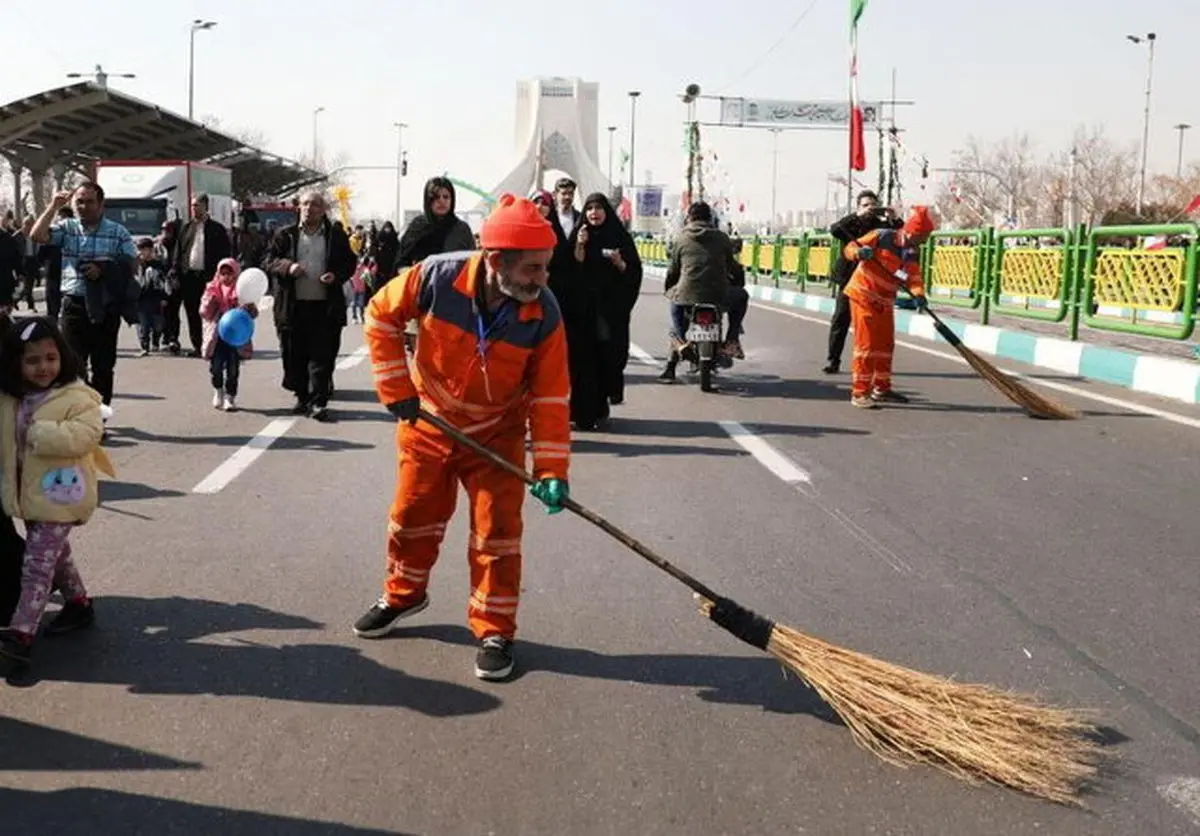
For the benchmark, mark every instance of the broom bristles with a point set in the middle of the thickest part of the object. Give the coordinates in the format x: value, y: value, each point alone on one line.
x: 1033, y: 403
x: 974, y: 732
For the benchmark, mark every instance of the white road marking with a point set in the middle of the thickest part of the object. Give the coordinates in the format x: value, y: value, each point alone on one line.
x: 642, y: 355
x: 1173, y: 417
x: 353, y: 359
x: 1183, y: 793
x: 767, y: 456
x: 245, y: 456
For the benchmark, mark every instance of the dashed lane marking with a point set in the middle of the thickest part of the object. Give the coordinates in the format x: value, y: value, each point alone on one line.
x: 244, y: 456
x: 248, y: 454
x: 765, y: 454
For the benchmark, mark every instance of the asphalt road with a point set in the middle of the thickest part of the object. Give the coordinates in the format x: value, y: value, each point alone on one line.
x: 223, y: 692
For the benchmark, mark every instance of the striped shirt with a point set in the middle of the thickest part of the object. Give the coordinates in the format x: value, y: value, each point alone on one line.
x: 109, y: 240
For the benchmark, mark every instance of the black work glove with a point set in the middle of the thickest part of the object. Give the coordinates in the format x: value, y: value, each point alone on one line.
x: 922, y: 302
x: 406, y: 410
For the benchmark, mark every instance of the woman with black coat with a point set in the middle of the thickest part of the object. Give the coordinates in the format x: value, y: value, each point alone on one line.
x: 579, y: 301
x: 607, y: 258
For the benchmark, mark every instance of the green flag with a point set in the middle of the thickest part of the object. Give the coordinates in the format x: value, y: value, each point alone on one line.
x: 857, y: 7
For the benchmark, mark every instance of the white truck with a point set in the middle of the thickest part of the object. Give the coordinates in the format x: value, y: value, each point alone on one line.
x: 142, y: 195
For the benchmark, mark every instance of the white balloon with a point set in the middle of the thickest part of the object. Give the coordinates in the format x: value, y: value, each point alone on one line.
x: 252, y: 285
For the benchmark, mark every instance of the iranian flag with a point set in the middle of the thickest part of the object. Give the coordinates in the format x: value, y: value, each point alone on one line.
x: 858, y: 145
x: 1193, y: 207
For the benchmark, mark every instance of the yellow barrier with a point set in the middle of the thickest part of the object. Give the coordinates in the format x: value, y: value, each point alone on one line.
x: 789, y: 260
x: 1032, y: 273
x: 766, y: 257
x: 820, y: 262
x: 955, y: 266
x: 746, y: 256
x: 1140, y: 279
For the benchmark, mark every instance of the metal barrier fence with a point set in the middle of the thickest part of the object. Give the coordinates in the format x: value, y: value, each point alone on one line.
x: 1102, y: 278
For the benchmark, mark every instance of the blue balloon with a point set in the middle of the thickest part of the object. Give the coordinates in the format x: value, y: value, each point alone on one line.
x: 236, y: 327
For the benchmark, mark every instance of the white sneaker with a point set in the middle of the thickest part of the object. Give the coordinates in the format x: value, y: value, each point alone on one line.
x: 230, y: 404
x: 218, y: 399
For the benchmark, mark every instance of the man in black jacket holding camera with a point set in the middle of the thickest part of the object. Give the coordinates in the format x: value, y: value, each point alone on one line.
x: 868, y: 217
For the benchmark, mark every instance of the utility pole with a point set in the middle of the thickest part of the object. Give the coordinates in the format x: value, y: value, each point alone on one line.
x: 612, y: 130
x: 633, y: 97
x: 316, y: 140
x: 197, y: 26
x: 1181, y: 127
x: 399, y: 126
x: 1150, y: 38
x: 774, y: 175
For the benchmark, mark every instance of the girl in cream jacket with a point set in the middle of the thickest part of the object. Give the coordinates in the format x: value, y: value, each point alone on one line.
x: 50, y: 431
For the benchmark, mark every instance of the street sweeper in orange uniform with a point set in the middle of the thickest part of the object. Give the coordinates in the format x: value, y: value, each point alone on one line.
x: 490, y: 359
x: 887, y: 260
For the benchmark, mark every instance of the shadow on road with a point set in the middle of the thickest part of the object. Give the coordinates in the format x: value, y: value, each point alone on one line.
x: 152, y: 646
x: 131, y: 491
x: 684, y: 429
x: 68, y: 811
x: 27, y: 747
x: 730, y: 680
x: 127, y: 436
x: 582, y: 443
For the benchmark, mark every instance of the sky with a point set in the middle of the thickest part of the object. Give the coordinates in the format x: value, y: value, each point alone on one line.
x: 450, y: 68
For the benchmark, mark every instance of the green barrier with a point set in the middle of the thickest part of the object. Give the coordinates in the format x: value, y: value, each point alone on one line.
x: 1032, y: 274
x: 958, y: 270
x: 1140, y: 282
x: 1100, y: 278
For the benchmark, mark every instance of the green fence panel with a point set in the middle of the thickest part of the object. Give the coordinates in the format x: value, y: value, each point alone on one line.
x: 1032, y: 273
x: 1139, y: 282
x: 955, y: 262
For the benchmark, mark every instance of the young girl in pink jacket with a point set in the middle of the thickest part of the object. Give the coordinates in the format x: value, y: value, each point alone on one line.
x: 225, y: 361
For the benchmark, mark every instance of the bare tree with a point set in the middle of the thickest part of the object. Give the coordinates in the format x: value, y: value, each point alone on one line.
x: 247, y: 136
x: 1009, y: 178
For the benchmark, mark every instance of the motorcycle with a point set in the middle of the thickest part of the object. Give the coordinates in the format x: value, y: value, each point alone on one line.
x: 704, y: 340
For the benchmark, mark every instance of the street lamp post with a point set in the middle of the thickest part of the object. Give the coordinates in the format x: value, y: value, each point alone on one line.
x: 1181, y: 127
x: 612, y: 130
x: 197, y: 26
x: 633, y: 97
x: 774, y: 174
x: 1150, y: 38
x: 316, y: 141
x: 399, y: 126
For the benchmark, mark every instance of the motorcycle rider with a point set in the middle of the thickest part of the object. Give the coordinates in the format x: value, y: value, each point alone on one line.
x: 704, y: 270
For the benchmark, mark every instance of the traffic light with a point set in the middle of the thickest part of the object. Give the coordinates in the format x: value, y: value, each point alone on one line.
x: 404, y: 166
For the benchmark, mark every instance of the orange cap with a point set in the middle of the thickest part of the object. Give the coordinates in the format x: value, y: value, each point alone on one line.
x: 516, y: 224
x: 920, y: 223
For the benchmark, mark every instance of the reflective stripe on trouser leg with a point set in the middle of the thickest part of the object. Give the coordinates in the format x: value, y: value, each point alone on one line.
x: 495, y: 548
x: 883, y: 348
x: 426, y: 490
x: 861, y: 372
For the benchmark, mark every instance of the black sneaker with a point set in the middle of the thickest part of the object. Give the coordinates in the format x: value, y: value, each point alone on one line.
x: 14, y: 650
x: 494, y: 661
x: 71, y: 617
x: 322, y: 414
x: 378, y: 621
x: 889, y: 396
x: 832, y: 368
x: 301, y: 408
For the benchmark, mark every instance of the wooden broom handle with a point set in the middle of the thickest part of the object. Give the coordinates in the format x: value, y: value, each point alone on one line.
x: 635, y: 545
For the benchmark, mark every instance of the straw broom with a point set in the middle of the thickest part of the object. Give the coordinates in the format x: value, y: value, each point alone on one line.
x: 1034, y: 404
x: 973, y: 732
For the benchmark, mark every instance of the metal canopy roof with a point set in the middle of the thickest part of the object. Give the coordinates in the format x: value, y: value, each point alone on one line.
x: 74, y: 126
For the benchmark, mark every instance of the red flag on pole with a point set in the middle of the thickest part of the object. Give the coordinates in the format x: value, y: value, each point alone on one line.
x: 1193, y: 207
x: 858, y: 144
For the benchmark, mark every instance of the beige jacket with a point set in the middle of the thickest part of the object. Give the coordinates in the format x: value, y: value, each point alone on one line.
x: 54, y: 478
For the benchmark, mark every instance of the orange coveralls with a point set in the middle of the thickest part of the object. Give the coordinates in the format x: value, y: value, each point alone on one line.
x: 490, y: 388
x: 872, y: 293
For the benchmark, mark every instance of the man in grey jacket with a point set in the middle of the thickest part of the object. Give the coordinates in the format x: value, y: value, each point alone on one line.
x: 704, y: 270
